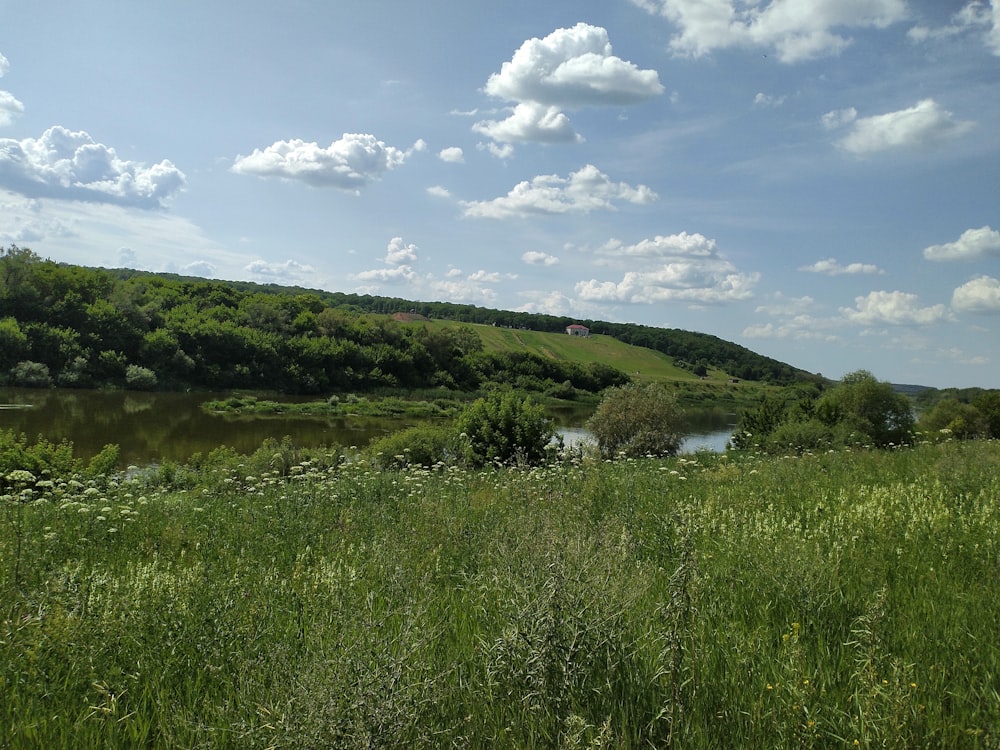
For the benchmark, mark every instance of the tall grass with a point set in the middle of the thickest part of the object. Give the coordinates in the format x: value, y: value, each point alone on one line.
x: 837, y: 600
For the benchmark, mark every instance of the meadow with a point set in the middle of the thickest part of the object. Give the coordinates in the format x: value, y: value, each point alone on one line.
x: 288, y: 600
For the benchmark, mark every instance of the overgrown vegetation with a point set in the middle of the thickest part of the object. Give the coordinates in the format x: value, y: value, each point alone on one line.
x: 637, y: 420
x: 858, y: 411
x: 290, y: 599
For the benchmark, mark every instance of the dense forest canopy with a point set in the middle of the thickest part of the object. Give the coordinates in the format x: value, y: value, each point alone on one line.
x: 80, y: 326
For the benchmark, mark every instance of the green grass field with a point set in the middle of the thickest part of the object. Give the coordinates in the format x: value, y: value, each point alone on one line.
x: 641, y: 363
x: 841, y: 600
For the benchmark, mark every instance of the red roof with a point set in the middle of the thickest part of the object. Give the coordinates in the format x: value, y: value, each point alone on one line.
x: 578, y: 327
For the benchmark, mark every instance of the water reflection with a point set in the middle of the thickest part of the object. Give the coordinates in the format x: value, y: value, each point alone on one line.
x: 152, y: 427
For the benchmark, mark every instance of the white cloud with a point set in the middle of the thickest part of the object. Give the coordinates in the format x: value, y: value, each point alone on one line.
x: 398, y: 253
x: 399, y: 274
x: 972, y: 245
x: 350, y: 163
x: 798, y: 328
x: 284, y: 271
x: 70, y: 165
x: 681, y: 245
x: 585, y: 190
x: 200, y: 268
x: 439, y: 191
x: 531, y: 122
x: 975, y: 16
x: 979, y: 295
x: 767, y: 100
x: 569, y: 69
x: 452, y: 154
x: 490, y: 277
x: 794, y: 29
x: 682, y: 267
x: 536, y: 258
x: 894, y: 308
x: 839, y: 117
x: 923, y: 125
x: 10, y: 107
x: 832, y: 267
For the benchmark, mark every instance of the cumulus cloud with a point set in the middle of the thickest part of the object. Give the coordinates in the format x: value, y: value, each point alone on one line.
x: 398, y: 252
x: 452, y: 154
x: 972, y: 245
x: 794, y: 29
x: 439, y: 191
x: 585, y: 190
x: 682, y: 267
x: 200, y: 268
x: 10, y: 107
x: 979, y: 295
x: 923, y: 125
x: 832, y: 267
x: 289, y: 269
x: 70, y: 165
x: 536, y: 258
x: 399, y: 257
x: 569, y: 69
x: 681, y: 245
x: 350, y: 163
x: 894, y: 308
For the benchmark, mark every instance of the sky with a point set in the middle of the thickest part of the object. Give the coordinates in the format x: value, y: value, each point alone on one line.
x: 817, y: 180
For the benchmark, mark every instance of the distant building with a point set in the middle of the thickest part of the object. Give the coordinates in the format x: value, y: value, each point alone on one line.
x: 577, y: 330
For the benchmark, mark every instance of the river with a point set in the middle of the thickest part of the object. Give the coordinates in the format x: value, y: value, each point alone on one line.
x: 155, y: 427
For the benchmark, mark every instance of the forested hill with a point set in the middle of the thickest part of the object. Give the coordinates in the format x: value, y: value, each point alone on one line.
x: 80, y: 326
x: 688, y: 348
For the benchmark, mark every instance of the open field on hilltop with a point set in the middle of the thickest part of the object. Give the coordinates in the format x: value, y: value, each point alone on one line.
x: 641, y: 363
x: 847, y: 599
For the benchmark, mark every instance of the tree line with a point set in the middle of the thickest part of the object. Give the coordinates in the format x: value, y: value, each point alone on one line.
x: 75, y: 326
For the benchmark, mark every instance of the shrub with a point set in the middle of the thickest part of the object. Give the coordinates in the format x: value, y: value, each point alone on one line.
x: 426, y: 445
x: 31, y: 375
x: 504, y: 428
x: 637, y: 420
x: 140, y: 378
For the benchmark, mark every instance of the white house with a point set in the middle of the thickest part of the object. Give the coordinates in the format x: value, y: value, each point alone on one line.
x: 577, y: 330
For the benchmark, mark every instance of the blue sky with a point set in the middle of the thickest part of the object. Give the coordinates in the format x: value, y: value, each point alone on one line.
x: 818, y: 180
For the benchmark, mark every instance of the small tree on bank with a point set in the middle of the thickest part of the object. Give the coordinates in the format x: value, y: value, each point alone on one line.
x: 637, y: 420
x: 504, y: 428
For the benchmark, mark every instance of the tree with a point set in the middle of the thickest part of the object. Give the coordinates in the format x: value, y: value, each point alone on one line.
x: 637, y: 420
x: 863, y: 410
x: 504, y: 428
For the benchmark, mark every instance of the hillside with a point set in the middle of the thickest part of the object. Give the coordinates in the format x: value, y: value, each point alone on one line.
x: 638, y: 362
x: 86, y: 327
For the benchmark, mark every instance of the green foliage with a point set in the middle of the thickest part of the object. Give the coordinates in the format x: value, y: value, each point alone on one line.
x: 637, y: 420
x: 105, y: 462
x: 427, y: 445
x: 504, y: 428
x: 220, y: 335
x: 40, y: 458
x: 31, y: 375
x: 868, y: 409
x: 858, y: 411
x: 140, y: 378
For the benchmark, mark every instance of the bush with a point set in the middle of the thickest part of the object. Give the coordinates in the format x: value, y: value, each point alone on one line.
x: 800, y: 436
x: 506, y: 429
x: 416, y: 446
x: 31, y: 375
x: 637, y: 420
x: 140, y: 378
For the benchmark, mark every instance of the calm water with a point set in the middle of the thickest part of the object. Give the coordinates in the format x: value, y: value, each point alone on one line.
x: 152, y: 427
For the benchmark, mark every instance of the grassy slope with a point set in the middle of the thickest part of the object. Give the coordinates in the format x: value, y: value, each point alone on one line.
x: 639, y: 362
